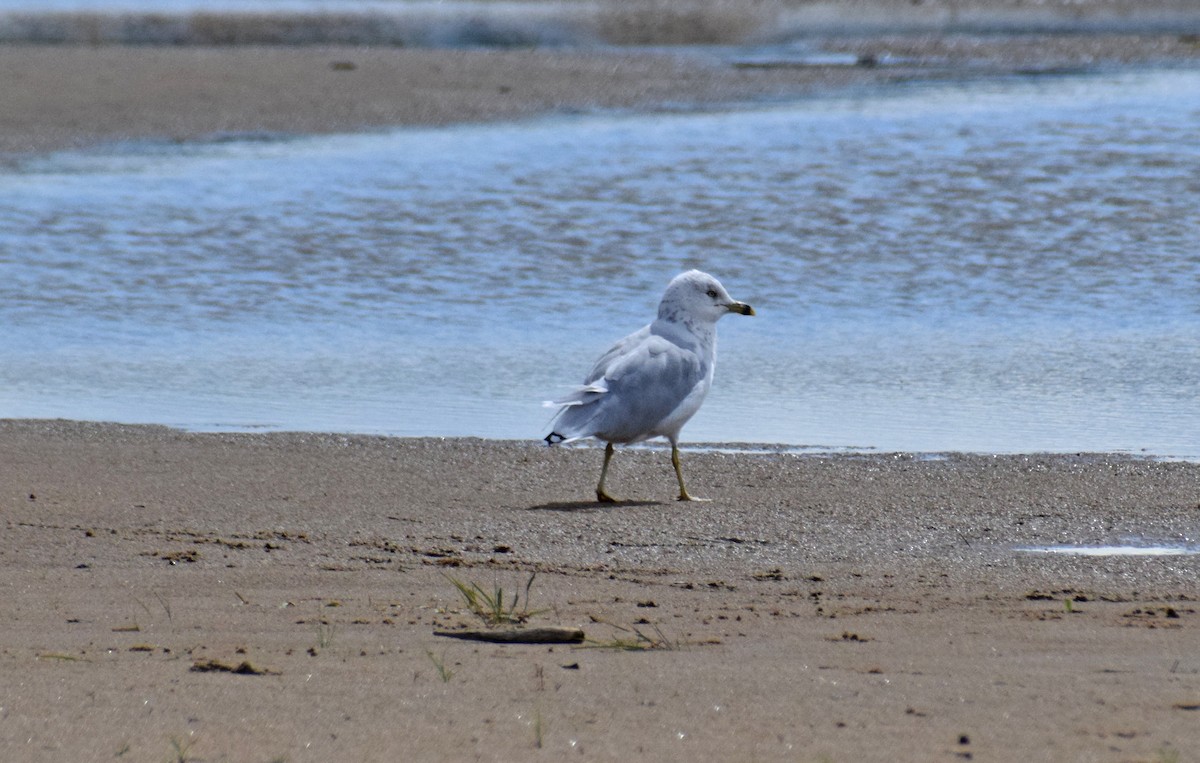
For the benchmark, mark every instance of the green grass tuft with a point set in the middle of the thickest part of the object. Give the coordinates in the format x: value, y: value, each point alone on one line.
x: 631, y: 639
x: 496, y: 608
x: 1168, y: 755
x: 180, y: 749
x: 444, y: 672
x: 325, y: 634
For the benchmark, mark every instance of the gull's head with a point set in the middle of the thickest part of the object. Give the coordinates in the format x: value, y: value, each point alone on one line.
x: 694, y: 296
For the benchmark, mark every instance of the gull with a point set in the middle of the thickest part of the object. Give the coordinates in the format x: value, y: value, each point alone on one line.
x: 651, y: 382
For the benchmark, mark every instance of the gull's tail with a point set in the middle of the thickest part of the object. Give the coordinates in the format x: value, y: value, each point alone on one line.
x: 571, y: 416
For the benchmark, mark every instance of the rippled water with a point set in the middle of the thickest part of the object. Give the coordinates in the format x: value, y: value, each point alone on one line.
x: 1009, y: 266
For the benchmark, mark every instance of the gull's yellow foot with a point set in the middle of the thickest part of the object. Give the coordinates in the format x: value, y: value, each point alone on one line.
x: 601, y: 494
x: 683, y: 493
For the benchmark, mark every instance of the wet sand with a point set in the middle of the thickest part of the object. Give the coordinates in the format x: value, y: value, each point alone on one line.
x: 108, y: 94
x: 75, y: 96
x: 820, y: 607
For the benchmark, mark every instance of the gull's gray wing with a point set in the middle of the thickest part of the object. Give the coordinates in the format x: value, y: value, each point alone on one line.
x: 633, y: 388
x: 623, y: 347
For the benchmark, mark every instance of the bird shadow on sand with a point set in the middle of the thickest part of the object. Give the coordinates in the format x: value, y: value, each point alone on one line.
x: 589, y: 505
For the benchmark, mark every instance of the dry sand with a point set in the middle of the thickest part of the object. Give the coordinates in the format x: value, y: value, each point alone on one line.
x: 835, y: 607
x: 840, y: 608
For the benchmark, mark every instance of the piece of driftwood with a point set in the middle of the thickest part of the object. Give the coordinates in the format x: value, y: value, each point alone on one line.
x: 549, y: 635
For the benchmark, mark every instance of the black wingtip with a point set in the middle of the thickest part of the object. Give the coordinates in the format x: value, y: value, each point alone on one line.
x: 550, y: 438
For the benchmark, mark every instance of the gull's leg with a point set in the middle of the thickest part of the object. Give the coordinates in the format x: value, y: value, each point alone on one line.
x: 683, y: 493
x: 601, y: 495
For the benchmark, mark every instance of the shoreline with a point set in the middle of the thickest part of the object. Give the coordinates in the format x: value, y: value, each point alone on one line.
x: 838, y: 607
x: 714, y: 447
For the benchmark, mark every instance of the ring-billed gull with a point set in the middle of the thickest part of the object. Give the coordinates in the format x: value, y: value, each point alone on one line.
x: 651, y: 382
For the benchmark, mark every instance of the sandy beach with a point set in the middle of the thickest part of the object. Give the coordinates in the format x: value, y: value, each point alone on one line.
x: 276, y: 597
x: 836, y: 607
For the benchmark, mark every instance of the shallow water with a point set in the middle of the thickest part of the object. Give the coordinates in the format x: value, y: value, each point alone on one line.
x: 1115, y: 550
x: 998, y: 267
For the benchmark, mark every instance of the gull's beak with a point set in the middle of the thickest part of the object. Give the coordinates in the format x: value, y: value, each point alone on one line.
x: 741, y: 307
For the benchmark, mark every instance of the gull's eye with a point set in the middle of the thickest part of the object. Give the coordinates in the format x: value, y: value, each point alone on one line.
x: 712, y: 293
